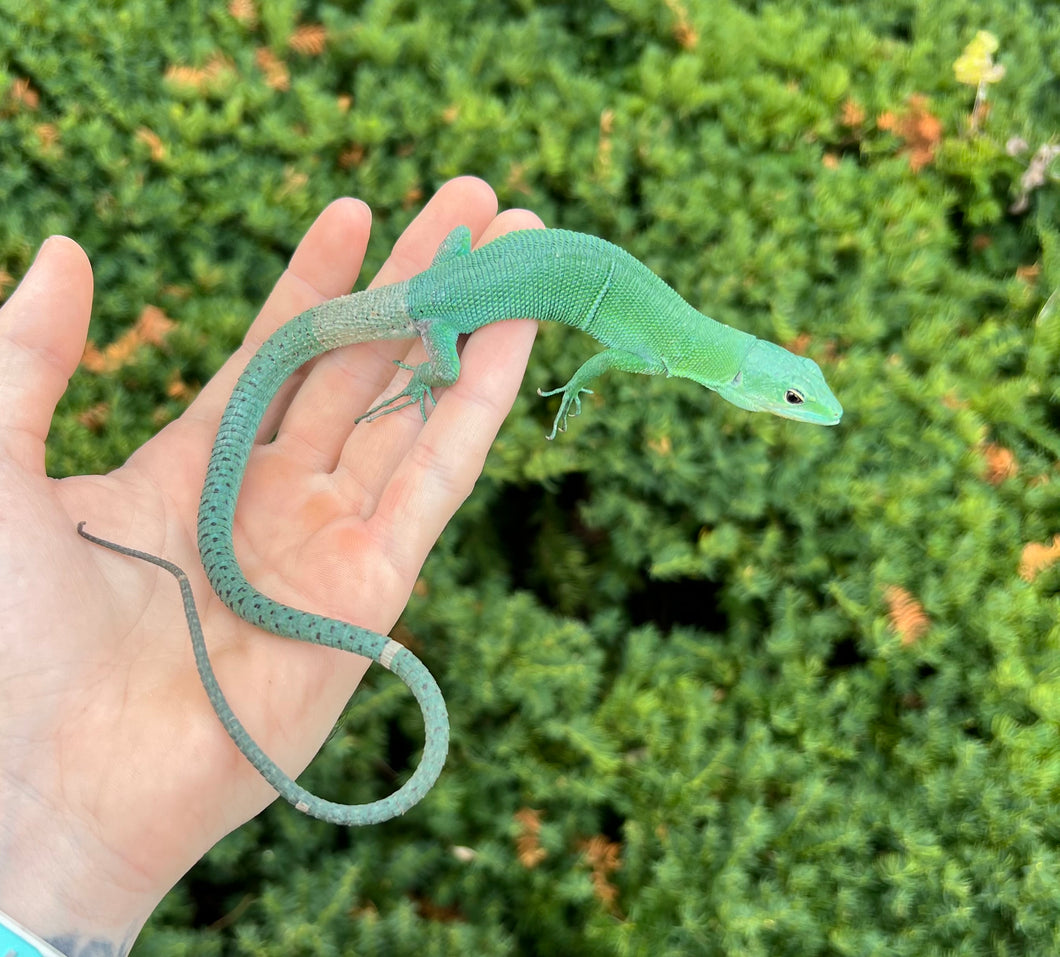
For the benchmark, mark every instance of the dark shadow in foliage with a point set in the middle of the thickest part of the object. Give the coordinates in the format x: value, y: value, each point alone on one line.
x: 687, y: 601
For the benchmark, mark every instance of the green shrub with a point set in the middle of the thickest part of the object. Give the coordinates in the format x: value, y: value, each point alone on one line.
x: 720, y: 684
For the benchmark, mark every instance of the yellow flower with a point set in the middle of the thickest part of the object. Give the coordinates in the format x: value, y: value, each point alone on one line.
x: 976, y: 65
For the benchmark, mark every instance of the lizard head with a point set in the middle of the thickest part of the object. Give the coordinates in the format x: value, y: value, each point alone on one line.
x: 771, y: 379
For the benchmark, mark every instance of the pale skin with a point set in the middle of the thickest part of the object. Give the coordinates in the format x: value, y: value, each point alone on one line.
x: 115, y: 774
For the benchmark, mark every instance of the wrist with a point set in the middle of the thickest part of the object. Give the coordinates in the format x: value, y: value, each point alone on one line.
x: 19, y: 941
x: 56, y: 887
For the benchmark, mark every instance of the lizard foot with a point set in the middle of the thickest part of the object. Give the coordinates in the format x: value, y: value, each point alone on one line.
x: 417, y: 392
x: 570, y: 397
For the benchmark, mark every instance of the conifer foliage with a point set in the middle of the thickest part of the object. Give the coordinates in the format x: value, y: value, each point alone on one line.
x: 720, y: 683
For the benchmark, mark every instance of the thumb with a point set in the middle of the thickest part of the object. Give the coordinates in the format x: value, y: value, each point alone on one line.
x: 43, y: 326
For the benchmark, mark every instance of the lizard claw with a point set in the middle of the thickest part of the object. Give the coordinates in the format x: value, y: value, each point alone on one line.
x: 416, y: 392
x: 570, y: 405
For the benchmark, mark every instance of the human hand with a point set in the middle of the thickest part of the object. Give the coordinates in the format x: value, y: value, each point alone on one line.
x: 115, y: 774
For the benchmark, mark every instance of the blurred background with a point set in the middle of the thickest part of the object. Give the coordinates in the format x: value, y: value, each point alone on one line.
x: 720, y: 683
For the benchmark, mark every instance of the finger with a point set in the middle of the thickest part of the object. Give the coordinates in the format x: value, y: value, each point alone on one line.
x: 324, y: 265
x: 442, y: 467
x: 42, y: 337
x: 343, y: 383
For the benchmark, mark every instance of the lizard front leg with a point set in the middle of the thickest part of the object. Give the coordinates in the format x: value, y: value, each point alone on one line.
x: 589, y: 370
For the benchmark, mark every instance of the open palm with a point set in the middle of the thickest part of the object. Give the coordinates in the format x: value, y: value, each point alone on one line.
x: 115, y: 775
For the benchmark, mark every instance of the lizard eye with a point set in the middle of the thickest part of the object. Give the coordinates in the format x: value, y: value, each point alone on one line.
x: 794, y: 397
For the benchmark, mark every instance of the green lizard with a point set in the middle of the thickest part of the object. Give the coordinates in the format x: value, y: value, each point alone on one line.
x: 542, y: 274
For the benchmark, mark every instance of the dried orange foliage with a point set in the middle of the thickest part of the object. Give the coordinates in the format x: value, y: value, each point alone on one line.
x: 294, y: 181
x: 906, y: 615
x: 604, y: 858
x: 94, y: 417
x: 853, y: 114
x: 309, y: 39
x: 177, y: 388
x: 1029, y: 274
x: 21, y: 97
x: 199, y: 78
x: 429, y: 910
x: 920, y: 130
x: 528, y: 844
x: 1036, y: 558
x: 603, y: 152
x: 153, y: 142
x: 1000, y: 463
x: 48, y: 135
x: 153, y: 326
x: 111, y: 358
x: 24, y: 95
x: 661, y: 446
x: 684, y: 33
x: 151, y: 329
x: 516, y: 179
x: 276, y: 73
x: 352, y: 156
x: 245, y: 11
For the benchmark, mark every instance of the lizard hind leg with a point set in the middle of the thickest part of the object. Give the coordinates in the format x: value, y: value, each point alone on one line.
x: 417, y: 392
x: 442, y: 368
